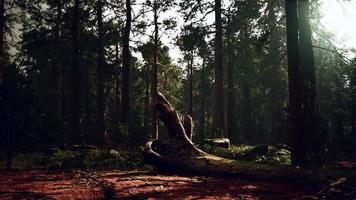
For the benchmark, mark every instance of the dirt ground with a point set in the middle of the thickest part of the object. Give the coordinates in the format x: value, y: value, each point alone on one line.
x: 115, y: 184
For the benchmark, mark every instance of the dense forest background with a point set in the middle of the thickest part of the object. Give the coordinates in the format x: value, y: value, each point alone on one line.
x: 88, y: 72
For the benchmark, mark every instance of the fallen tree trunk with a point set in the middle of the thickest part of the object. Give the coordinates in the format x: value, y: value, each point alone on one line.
x: 180, y: 154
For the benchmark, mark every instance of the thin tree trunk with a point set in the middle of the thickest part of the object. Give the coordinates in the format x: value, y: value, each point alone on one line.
x: 298, y: 153
x: 203, y: 100
x: 56, y: 56
x: 10, y: 138
x: 340, y: 132
x: 145, y: 116
x: 76, y: 83
x: 190, y: 88
x: 248, y: 132
x: 276, y: 111
x: 230, y: 116
x: 57, y: 68
x: 219, y: 117
x: 87, y: 109
x: 126, y: 58
x: 353, y: 111
x: 2, y: 33
x: 154, y: 89
x: 117, y: 89
x: 100, y: 77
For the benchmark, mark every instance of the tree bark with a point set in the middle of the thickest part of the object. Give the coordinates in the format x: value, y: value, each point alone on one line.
x: 190, y: 88
x: 247, y: 122
x: 76, y: 82
x: 154, y: 90
x: 56, y: 59
x: 307, y: 63
x: 117, y: 89
x: 353, y: 110
x: 230, y: 116
x: 100, y: 112
x: 2, y: 33
x: 203, y: 100
x: 146, y: 110
x: 219, y: 116
x: 298, y: 153
x: 126, y: 59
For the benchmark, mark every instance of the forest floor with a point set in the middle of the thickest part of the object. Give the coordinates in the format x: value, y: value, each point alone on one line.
x: 136, y: 184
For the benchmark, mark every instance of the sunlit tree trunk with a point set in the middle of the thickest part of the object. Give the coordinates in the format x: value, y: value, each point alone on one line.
x: 311, y: 121
x: 218, y: 117
x: 126, y: 58
x: 298, y: 152
x: 76, y: 82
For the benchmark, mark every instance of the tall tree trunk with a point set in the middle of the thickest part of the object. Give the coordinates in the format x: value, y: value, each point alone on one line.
x: 353, y: 132
x: 311, y: 121
x: 76, y: 83
x: 298, y: 153
x: 2, y: 38
x: 100, y: 115
x: 11, y: 136
x: 230, y: 116
x: 126, y: 58
x: 154, y: 89
x: 275, y: 98
x: 190, y: 88
x: 353, y: 110
x: 57, y: 67
x: 87, y: 110
x: 219, y: 117
x: 146, y: 103
x: 117, y: 89
x: 247, y: 126
x: 62, y: 68
x: 203, y: 100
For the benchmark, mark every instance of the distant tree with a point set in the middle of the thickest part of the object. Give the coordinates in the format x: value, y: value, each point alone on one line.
x: 76, y: 82
x: 187, y: 43
x: 59, y: 66
x: 158, y: 7
x: 100, y: 73
x: 230, y: 100
x: 125, y: 75
x: 219, y: 116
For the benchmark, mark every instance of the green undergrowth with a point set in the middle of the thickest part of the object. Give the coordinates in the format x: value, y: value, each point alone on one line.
x: 273, y: 156
x: 94, y: 158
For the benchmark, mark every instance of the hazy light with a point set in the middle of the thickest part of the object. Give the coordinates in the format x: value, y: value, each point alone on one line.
x: 339, y: 18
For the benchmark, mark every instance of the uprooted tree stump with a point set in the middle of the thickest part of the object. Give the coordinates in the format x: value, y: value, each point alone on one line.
x: 180, y: 154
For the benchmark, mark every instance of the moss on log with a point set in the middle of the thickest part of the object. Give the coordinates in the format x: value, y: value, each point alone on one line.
x: 180, y: 154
